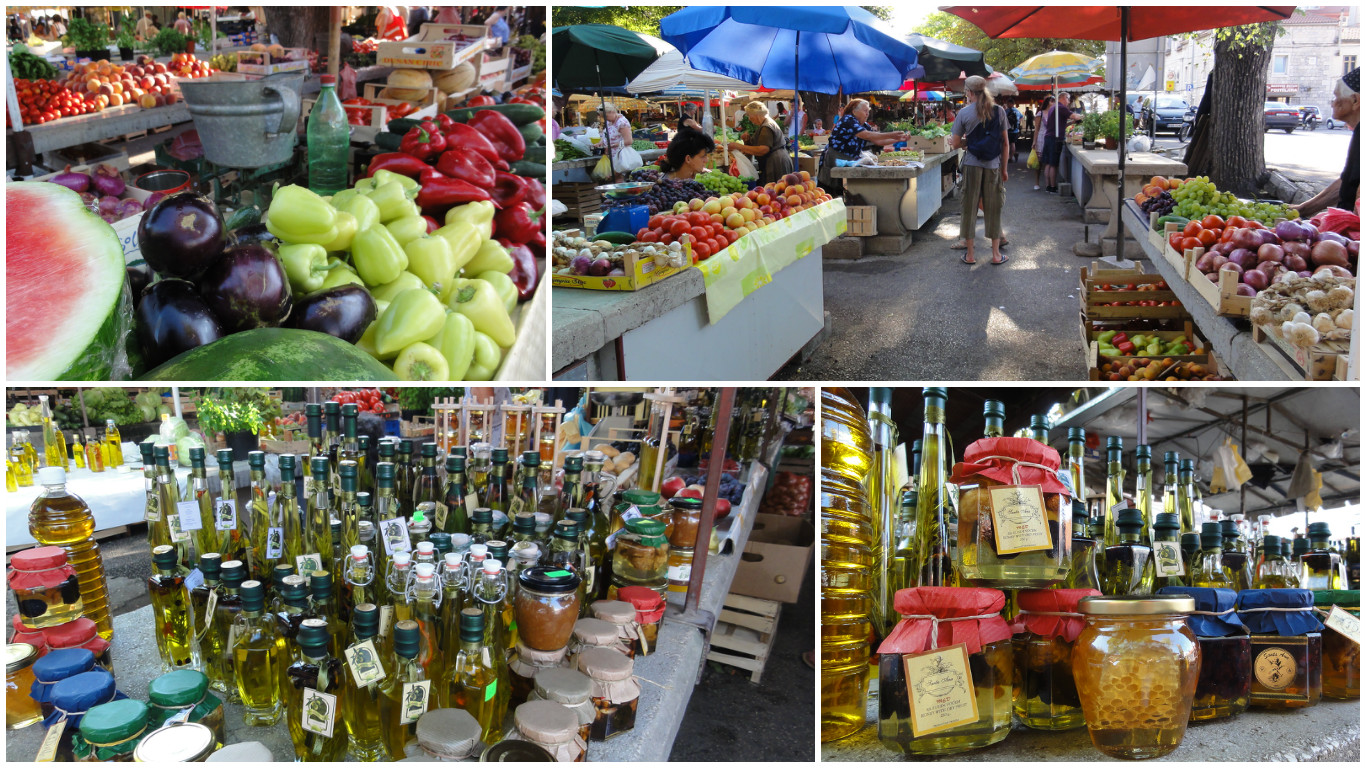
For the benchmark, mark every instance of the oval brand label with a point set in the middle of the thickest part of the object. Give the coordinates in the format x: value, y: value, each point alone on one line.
x: 1274, y: 668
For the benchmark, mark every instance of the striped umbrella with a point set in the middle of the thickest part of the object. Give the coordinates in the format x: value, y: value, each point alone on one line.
x: 1056, y: 63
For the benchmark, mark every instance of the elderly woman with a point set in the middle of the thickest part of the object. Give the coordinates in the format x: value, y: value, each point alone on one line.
x: 766, y: 144
x: 1343, y: 192
x: 689, y: 118
x: 851, y: 136
x: 616, y: 131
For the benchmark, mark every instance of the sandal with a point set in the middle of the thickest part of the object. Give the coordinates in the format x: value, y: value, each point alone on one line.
x: 964, y: 259
x: 1004, y: 259
x: 961, y: 245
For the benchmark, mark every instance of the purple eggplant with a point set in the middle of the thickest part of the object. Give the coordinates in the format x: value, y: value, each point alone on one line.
x: 172, y: 318
x: 345, y: 312
x: 181, y: 235
x: 247, y: 288
x: 139, y: 277
x: 252, y: 233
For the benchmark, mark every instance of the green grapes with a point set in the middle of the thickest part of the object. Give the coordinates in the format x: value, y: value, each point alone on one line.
x: 1197, y: 197
x: 720, y: 183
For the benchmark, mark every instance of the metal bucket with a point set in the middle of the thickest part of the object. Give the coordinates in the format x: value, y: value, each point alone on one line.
x: 247, y: 123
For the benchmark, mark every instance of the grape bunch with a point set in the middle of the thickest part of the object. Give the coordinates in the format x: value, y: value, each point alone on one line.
x: 664, y: 194
x: 1197, y: 197
x: 1162, y: 204
x: 721, y: 183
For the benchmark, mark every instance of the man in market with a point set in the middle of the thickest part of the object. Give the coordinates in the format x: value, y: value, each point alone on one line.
x: 1343, y: 192
x: 498, y: 25
x: 1055, y: 132
x: 145, y: 29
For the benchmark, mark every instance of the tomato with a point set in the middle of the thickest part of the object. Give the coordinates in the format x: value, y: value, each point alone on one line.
x: 1188, y: 243
x: 702, y: 250
x: 1235, y: 222
x: 648, y: 236
x: 1192, y: 228
x: 678, y: 227
x: 656, y: 221
x: 732, y: 235
x: 1207, y: 237
x: 666, y: 238
x: 1212, y: 222
x: 481, y: 101
x: 1174, y: 240
x: 698, y: 218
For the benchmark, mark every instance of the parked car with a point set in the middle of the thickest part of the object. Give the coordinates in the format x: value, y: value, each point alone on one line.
x: 1280, y: 116
x: 1163, y: 112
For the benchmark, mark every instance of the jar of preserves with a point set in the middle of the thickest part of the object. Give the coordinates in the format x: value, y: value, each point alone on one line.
x: 46, y: 590
x: 449, y: 735
x: 547, y: 605
x: 571, y: 688
x: 1287, y: 647
x: 1341, y: 654
x: 621, y: 615
x: 680, y: 569
x: 1045, y: 627
x: 21, y: 710
x: 524, y: 665
x: 594, y: 633
x: 72, y: 698
x: 552, y: 727
x: 687, y: 515
x: 615, y: 691
x: 939, y: 617
x: 1004, y: 540
x: 54, y: 668
x: 186, y: 690
x: 34, y: 637
x: 641, y: 556
x: 176, y: 743
x: 1135, y: 665
x: 647, y: 504
x: 110, y: 732
x: 649, y: 606
x: 1225, y: 682
x: 80, y: 633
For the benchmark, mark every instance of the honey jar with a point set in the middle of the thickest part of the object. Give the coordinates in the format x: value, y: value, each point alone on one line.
x: 571, y: 688
x: 1045, y: 628
x: 1287, y: 647
x: 595, y: 633
x: 549, y: 725
x: 45, y: 587
x: 621, y: 615
x: 109, y: 733
x: 616, y: 693
x: 1341, y: 654
x: 21, y: 710
x: 524, y: 665
x: 1225, y: 682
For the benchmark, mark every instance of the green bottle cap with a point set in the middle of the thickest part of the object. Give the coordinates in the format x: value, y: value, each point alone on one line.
x: 287, y: 469
x: 336, y: 527
x: 573, y: 464
x: 1319, y: 531
x: 1114, y: 442
x: 567, y: 529
x: 211, y: 565
x: 224, y: 459
x: 1038, y: 422
x: 365, y: 620
x: 1228, y: 529
x: 181, y: 688
x: 406, y: 639
x: 363, y: 442
x: 148, y: 453
x: 256, y: 459
x: 1167, y: 521
x: 1190, y: 541
x: 417, y: 517
x: 164, y: 556
x: 1287, y: 548
x: 1076, y: 435
x: 163, y: 455
x: 350, y: 410
x: 1171, y: 458
x: 320, y: 584
x: 384, y: 473
x: 1129, y: 520
x: 405, y: 447
x: 481, y: 515
x: 500, y: 455
x: 277, y: 576
x: 347, y: 469
x: 294, y: 591
x: 318, y: 467
x: 1299, y: 546
x: 114, y: 721
x: 498, y: 550
x: 939, y: 392
x: 386, y: 449
x: 471, y: 625
x: 1209, y: 536
x: 429, y: 450
x: 455, y: 463
x: 1188, y: 465
x: 313, y: 409
x: 1143, y: 452
x: 313, y: 637
x: 441, y: 541
x: 197, y: 457
x: 253, y: 596
x: 364, y: 499
x: 994, y: 409
x: 524, y: 523
x: 459, y: 450
x: 1272, y: 544
x: 233, y: 573
x: 332, y: 408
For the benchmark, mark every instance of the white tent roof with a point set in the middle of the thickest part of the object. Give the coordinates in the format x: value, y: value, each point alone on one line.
x: 671, y: 71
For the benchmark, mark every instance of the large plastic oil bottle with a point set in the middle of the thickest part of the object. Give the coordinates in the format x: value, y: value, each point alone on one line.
x: 60, y: 518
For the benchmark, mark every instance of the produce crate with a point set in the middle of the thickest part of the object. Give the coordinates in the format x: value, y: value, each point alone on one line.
x: 493, y: 70
x: 1095, y: 359
x: 1175, y: 258
x: 745, y: 631
x: 581, y: 198
x: 1093, y: 300
x: 1317, y: 363
x: 1207, y: 360
x: 640, y: 272
x: 261, y: 63
x: 431, y: 48
x: 862, y: 220
x: 929, y: 146
x: 821, y: 141
x: 88, y: 154
x: 1223, y: 296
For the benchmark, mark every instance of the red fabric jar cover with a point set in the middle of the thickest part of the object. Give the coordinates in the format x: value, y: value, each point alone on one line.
x: 649, y: 603
x: 912, y: 635
x: 979, y: 460
x: 77, y: 633
x: 1038, y: 601
x: 39, y: 568
x: 33, y: 637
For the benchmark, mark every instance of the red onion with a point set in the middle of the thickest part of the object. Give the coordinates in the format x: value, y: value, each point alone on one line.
x: 1303, y: 273
x: 1295, y: 262
x: 152, y: 200
x: 1246, y: 290
x: 1243, y: 258
x: 108, y: 181
x: 1245, y: 238
x: 1327, y: 252
x: 109, y: 204
x: 1334, y: 236
x: 1270, y: 252
x: 76, y: 182
x: 1234, y: 268
x: 1267, y: 236
x: 129, y: 207
x: 1257, y: 279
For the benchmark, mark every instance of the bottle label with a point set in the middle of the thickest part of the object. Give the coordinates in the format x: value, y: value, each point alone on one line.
x: 225, y: 516
x: 680, y: 573
x: 1019, y: 520
x: 47, y: 752
x: 275, y: 543
x: 516, y: 507
x: 1345, y: 623
x: 178, y: 534
x: 440, y: 517
x: 363, y: 660
x: 194, y: 580
x: 319, y: 712
x: 189, y: 516
x: 414, y: 704
x: 472, y: 500
x: 941, y: 690
x: 305, y: 565
x: 386, y: 619
x: 209, y: 609
x: 153, y: 508
x: 1274, y: 668
x: 1167, y: 557
x: 308, y: 486
x: 394, y: 533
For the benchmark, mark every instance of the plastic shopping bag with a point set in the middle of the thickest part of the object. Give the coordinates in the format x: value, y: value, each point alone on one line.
x: 628, y: 160
x: 603, y: 170
x: 743, y: 166
x: 1033, y: 161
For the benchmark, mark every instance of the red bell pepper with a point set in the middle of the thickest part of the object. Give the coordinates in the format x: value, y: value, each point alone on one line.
x: 432, y: 224
x: 466, y: 137
x: 424, y: 141
x: 502, y: 132
x: 481, y: 100
x: 526, y: 273
x: 1127, y: 347
x: 508, y: 190
x: 445, y: 122
x: 535, y: 192
x: 439, y: 192
x: 517, y: 223
x: 398, y: 162
x: 523, y: 100
x: 467, y: 165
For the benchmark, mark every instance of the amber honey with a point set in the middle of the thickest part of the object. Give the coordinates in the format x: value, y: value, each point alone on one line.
x: 1045, y: 694
x: 1225, y: 682
x: 1287, y: 671
x: 992, y: 671
x: 1341, y: 666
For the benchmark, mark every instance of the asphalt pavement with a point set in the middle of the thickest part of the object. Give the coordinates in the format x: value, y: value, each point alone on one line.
x: 1308, y: 156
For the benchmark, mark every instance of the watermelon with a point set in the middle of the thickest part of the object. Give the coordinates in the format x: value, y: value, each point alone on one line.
x: 69, y: 308
x: 275, y: 355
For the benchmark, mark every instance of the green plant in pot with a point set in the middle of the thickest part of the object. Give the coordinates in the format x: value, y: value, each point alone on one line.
x: 126, y: 42
x: 1090, y: 126
x: 169, y: 42
x: 91, y: 41
x: 240, y: 422
x: 1109, y: 126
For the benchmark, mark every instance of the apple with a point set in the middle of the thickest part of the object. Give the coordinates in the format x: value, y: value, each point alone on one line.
x: 722, y: 508
x: 695, y: 204
x: 671, y: 487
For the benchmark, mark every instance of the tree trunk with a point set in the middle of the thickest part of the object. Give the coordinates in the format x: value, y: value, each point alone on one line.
x: 1238, y: 164
x: 299, y: 26
x: 820, y: 105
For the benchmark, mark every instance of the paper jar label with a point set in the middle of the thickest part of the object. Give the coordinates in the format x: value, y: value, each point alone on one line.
x: 225, y: 514
x: 941, y: 691
x: 189, y: 516
x: 47, y: 752
x: 319, y: 712
x: 1018, y: 519
x: 1345, y: 623
x: 364, y: 663
x: 1274, y: 668
x: 414, y: 703
x: 1167, y: 555
x: 275, y: 543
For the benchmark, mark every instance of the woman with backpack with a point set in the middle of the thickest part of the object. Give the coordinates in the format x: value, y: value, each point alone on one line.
x: 981, y: 127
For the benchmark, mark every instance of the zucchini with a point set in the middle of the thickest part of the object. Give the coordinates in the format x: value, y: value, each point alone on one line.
x: 519, y: 114
x: 389, y: 142
x: 531, y: 132
x: 529, y: 169
x: 1162, y: 221
x: 402, y: 125
x: 616, y: 238
x: 534, y: 154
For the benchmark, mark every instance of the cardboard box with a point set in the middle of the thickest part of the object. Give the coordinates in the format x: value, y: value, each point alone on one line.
x: 862, y: 220
x: 775, y: 559
x: 433, y: 48
x: 640, y: 272
x: 929, y: 146
x: 261, y: 63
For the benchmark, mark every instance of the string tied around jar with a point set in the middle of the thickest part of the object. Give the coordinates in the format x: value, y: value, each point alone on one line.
x: 935, y: 621
x: 972, y: 616
x: 1230, y: 610
x: 1015, y: 466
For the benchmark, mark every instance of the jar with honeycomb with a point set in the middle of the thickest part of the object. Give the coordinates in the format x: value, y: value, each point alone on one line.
x: 1001, y: 481
x: 1136, y: 665
x: 1225, y: 682
x: 940, y: 617
x: 46, y: 590
x: 1287, y: 647
x: 1045, y: 628
x: 1341, y: 654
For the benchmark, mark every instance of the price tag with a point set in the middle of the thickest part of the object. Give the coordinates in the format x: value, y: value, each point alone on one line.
x: 492, y: 690
x: 178, y: 534
x: 472, y: 500
x: 363, y: 660
x: 1345, y: 623
x: 941, y: 692
x: 394, y: 532
x: 1168, y: 558
x: 225, y: 515
x: 194, y: 580
x: 414, y: 702
x: 305, y: 565
x: 440, y: 517
x: 189, y: 516
x: 47, y: 752
x: 319, y: 712
x: 153, y: 513
x: 275, y: 543
x: 630, y: 513
x: 1018, y: 519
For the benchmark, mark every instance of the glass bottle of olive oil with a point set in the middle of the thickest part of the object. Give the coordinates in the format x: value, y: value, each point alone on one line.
x: 346, y: 508
x: 23, y: 469
x: 473, y: 681
x: 361, y: 704
x: 454, y: 518
x: 481, y: 525
x: 572, y: 494
x: 232, y: 573
x: 317, y: 519
x: 228, y: 520
x: 1185, y: 494
x: 903, y: 554
x: 206, y: 538
x: 113, y: 444
x: 94, y: 455
x: 407, y: 692
x: 1170, y: 571
x: 497, y: 497
x: 1209, y: 569
x: 1272, y: 568
x: 1171, y: 462
x: 489, y: 593
x: 323, y: 605
x: 54, y: 444
x: 404, y: 475
x: 934, y: 563
x: 313, y: 415
x: 267, y: 530
x: 1234, y: 557
x: 480, y: 465
x: 332, y: 431
x: 168, y: 499
x: 349, y: 449
x: 174, y: 628
x: 1128, y: 568
x: 1143, y: 488
x: 1321, y: 567
x: 287, y: 508
x: 313, y: 691
x: 1114, y: 489
x: 211, y: 648
x: 1038, y: 428
x: 292, y: 610
x: 427, y: 484
x: 77, y: 449
x: 424, y: 597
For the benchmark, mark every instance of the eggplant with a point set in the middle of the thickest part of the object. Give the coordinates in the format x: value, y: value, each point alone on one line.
x: 252, y: 233
x: 172, y: 318
x: 345, y: 312
x: 182, y: 235
x: 139, y: 277
x: 247, y: 289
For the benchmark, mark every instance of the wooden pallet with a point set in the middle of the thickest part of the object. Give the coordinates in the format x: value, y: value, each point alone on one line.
x: 747, y: 626
x: 580, y: 198
x: 1317, y: 363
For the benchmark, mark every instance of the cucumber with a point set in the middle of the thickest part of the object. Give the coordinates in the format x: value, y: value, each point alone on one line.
x: 243, y: 217
x: 531, y: 132
x: 273, y: 354
x: 534, y: 154
x: 519, y: 114
x: 616, y: 238
x: 389, y: 142
x: 402, y: 125
x: 528, y: 168
x: 1163, y: 221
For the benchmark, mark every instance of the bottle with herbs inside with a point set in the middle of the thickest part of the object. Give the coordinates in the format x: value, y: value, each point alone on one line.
x: 1128, y: 565
x: 934, y: 562
x: 1168, y: 566
x: 1234, y: 557
x: 1208, y: 569
x: 313, y: 691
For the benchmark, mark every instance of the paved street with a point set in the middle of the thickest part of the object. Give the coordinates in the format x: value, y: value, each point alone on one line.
x: 1303, y: 155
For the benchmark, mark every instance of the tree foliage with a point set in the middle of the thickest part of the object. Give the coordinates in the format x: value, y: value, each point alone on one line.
x: 1005, y: 53
x: 637, y: 18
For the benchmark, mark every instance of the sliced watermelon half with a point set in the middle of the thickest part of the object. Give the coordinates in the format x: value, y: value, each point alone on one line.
x: 68, y: 308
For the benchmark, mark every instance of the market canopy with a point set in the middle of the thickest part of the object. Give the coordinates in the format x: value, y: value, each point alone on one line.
x: 1103, y: 22
x: 672, y: 73
x: 940, y: 61
x: 599, y: 56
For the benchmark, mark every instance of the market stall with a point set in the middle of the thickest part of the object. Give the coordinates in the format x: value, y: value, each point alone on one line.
x: 905, y: 197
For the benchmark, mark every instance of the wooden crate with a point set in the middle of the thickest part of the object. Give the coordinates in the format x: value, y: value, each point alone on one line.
x: 744, y: 633
x: 580, y: 198
x: 1223, y: 296
x: 1092, y: 300
x: 862, y: 220
x: 1317, y: 363
x: 1206, y: 359
x: 930, y: 146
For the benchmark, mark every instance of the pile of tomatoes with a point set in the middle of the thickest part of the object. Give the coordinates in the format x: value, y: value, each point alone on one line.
x: 369, y: 400
x: 1160, y: 285
x: 707, y: 236
x: 1206, y: 232
x: 42, y: 101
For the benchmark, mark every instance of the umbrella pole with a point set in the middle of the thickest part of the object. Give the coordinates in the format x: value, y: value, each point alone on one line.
x: 796, y: 95
x: 1123, y: 118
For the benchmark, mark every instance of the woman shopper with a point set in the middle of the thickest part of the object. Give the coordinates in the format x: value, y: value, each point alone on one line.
x: 687, y: 155
x: 616, y: 131
x: 851, y: 137
x: 1037, y: 126
x: 689, y: 118
x: 981, y: 127
x: 765, y: 144
x: 1344, y: 191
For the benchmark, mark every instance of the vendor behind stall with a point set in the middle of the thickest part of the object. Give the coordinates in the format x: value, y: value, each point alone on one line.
x: 1344, y: 191
x: 689, y: 117
x: 765, y: 143
x: 687, y: 155
x: 851, y: 137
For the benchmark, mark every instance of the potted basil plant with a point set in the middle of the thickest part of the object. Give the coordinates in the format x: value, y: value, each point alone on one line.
x: 91, y: 41
x: 239, y: 422
x: 125, y: 42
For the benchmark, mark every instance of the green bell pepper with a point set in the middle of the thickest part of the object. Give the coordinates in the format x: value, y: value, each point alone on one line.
x: 479, y: 214
x: 420, y: 361
x: 487, y: 356
x: 507, y: 290
x: 298, y: 215
x: 392, y: 202
x: 346, y: 232
x: 430, y: 259
x: 406, y: 281
x: 490, y: 256
x: 343, y: 197
x: 407, y: 229
x: 364, y: 186
x: 377, y: 255
x: 306, y: 266
x: 480, y: 302
x: 1107, y: 350
x: 363, y: 209
x: 456, y: 343
x: 413, y: 315
x: 410, y: 186
x: 464, y: 241
x: 340, y: 274
x: 1105, y: 337
x: 367, y: 343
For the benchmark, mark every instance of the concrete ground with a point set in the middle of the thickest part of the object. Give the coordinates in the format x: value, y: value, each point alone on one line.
x: 924, y: 315
x: 731, y: 719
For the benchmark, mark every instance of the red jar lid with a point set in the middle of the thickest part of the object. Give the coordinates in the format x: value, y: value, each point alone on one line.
x: 936, y: 617
x: 39, y: 568
x: 33, y: 637
x: 1039, y: 606
x: 649, y: 603
x: 77, y: 633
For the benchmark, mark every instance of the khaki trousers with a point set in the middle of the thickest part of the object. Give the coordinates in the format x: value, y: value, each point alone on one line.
x: 982, y: 184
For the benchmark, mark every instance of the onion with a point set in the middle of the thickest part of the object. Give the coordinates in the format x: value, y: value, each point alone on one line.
x: 1270, y: 268
x: 1243, y: 257
x: 1295, y: 262
x: 1206, y: 262
x: 1334, y: 236
x: 1303, y: 273
x: 1327, y: 252
x: 1291, y: 230
x: 579, y: 265
x: 109, y: 204
x: 1257, y: 279
x: 1267, y: 236
x: 129, y: 207
x: 1245, y: 238
x: 1213, y: 277
x: 108, y: 181
x: 1225, y: 248
x: 1246, y: 290
x: 152, y: 200
x: 1270, y: 252
x: 1234, y: 268
x: 89, y: 199
x: 600, y: 268
x: 1333, y: 270
x: 76, y: 182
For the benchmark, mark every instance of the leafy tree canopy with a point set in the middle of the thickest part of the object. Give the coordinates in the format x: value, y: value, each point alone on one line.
x: 1005, y: 53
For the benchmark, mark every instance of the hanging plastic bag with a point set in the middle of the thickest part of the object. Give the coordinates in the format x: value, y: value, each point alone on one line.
x: 1033, y: 161
x: 1230, y: 469
x: 603, y: 170
x: 628, y: 160
x: 743, y: 167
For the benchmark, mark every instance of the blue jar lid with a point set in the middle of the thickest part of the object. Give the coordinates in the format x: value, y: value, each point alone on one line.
x: 74, y: 696
x: 57, y: 666
x: 1215, y: 600
x: 1293, y: 614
